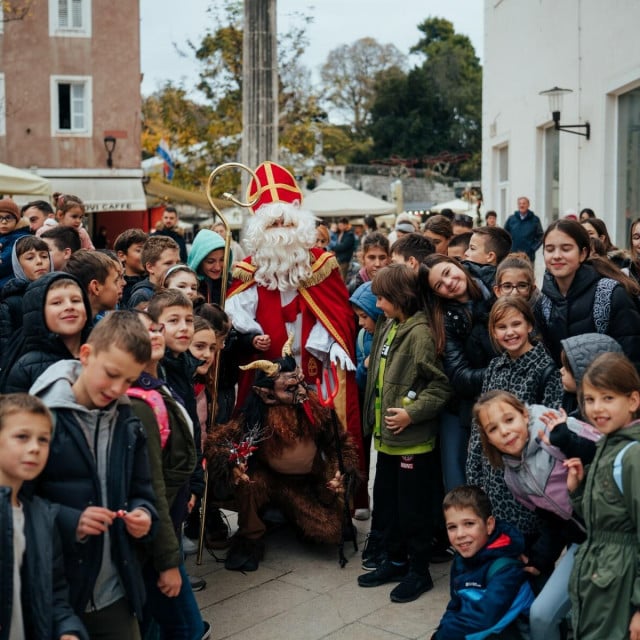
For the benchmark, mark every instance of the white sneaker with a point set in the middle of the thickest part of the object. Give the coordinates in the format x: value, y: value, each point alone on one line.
x: 189, y: 546
x: 362, y: 514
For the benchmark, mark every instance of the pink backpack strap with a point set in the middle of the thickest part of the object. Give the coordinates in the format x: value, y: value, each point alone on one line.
x: 154, y: 399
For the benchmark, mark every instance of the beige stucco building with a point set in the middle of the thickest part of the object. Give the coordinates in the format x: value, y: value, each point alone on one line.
x: 590, y: 47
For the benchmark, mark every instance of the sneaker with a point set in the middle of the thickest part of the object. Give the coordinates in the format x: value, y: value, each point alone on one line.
x: 189, y: 546
x: 362, y: 514
x: 373, y: 551
x: 386, y: 572
x: 197, y: 584
x: 412, y: 587
x: 207, y: 631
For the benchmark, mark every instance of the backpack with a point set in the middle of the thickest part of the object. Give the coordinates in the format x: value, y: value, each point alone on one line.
x: 617, y: 465
x: 156, y: 402
x: 601, y: 304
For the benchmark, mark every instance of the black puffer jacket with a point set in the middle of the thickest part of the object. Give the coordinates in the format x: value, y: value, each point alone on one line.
x: 10, y: 315
x: 45, y: 604
x: 467, y: 353
x: 559, y: 317
x: 179, y: 375
x: 35, y: 347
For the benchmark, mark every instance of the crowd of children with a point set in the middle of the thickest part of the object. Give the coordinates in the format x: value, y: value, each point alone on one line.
x: 520, y: 404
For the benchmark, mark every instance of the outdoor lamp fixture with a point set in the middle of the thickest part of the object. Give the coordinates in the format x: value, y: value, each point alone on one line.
x: 555, y: 105
x: 109, y: 145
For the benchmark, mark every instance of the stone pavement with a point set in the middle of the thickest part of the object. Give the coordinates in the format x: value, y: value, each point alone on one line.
x: 300, y: 591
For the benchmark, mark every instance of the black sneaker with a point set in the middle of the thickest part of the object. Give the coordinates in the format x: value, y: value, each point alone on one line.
x: 197, y: 584
x: 207, y: 631
x: 372, y: 553
x: 386, y: 572
x: 412, y: 587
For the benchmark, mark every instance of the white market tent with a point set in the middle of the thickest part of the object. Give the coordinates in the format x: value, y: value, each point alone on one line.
x: 334, y: 199
x: 16, y: 182
x: 457, y: 206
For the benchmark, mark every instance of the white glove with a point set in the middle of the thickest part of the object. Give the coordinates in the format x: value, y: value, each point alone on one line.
x: 338, y: 355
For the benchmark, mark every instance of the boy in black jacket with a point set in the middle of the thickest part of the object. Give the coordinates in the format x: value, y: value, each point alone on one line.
x: 98, y: 471
x: 33, y: 593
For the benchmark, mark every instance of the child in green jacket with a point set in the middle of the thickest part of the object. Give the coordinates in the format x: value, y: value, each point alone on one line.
x: 406, y: 390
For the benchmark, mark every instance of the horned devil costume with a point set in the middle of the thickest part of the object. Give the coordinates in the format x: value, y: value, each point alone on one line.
x: 282, y: 452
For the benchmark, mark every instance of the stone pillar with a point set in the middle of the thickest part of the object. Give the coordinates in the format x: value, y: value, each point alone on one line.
x: 260, y: 84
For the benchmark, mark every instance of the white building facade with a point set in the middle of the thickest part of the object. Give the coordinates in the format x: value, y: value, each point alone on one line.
x: 588, y: 46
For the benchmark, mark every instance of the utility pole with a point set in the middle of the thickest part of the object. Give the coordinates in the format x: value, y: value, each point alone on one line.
x: 259, y: 84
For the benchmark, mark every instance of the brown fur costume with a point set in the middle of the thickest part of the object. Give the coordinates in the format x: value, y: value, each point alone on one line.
x: 303, y: 498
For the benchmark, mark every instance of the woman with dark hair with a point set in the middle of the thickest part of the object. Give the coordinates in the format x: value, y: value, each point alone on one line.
x: 586, y: 214
x: 439, y: 230
x: 633, y: 270
x: 370, y: 224
x: 583, y: 296
x: 460, y: 306
x: 597, y: 228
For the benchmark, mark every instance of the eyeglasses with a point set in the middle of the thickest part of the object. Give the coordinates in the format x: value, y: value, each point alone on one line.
x: 508, y: 287
x: 7, y: 219
x: 156, y: 328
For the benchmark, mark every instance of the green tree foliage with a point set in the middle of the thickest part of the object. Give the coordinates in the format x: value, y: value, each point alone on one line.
x: 435, y: 107
x: 349, y: 77
x: 215, y: 127
x: 170, y: 115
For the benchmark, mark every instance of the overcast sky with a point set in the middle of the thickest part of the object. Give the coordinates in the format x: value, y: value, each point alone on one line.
x: 336, y: 22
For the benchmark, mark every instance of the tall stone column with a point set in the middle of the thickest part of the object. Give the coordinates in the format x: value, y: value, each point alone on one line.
x: 260, y: 83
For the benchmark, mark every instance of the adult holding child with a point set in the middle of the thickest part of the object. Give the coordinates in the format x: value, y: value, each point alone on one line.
x: 69, y: 213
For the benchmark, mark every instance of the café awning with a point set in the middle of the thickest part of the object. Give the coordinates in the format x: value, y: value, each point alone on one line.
x: 175, y: 195
x: 16, y: 182
x: 119, y: 193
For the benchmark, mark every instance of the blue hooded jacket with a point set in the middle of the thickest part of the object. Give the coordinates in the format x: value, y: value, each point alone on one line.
x: 364, y: 299
x: 488, y: 590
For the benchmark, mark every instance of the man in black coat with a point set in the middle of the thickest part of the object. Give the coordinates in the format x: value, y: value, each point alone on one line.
x: 170, y: 227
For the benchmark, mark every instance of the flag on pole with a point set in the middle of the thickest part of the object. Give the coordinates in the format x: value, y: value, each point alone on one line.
x: 162, y: 150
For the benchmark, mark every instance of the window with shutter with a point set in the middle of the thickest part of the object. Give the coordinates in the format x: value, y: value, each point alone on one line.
x: 71, y: 106
x: 70, y: 18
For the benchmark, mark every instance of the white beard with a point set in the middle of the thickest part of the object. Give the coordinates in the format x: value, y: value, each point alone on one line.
x: 281, y: 254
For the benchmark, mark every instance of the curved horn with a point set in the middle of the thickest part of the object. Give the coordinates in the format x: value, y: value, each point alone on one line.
x: 286, y: 347
x: 266, y: 366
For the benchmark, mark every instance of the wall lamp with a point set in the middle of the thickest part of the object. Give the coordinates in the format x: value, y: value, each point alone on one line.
x: 555, y: 96
x: 109, y: 145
